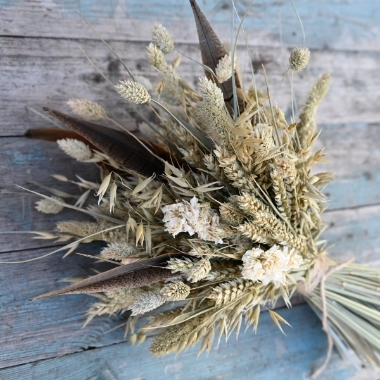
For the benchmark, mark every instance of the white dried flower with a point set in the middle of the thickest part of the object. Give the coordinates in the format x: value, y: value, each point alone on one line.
x: 87, y: 109
x: 46, y: 206
x: 211, y: 93
x: 299, y: 58
x: 75, y: 149
x: 145, y: 302
x: 132, y: 91
x: 223, y: 69
x: 271, y: 265
x: 175, y: 291
x: 162, y: 39
x: 156, y: 58
x: 192, y: 217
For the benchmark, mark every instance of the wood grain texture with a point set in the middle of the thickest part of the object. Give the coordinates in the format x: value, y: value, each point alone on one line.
x: 48, y: 72
x: 266, y: 355
x: 21, y: 160
x: 43, y: 66
x: 37, y: 330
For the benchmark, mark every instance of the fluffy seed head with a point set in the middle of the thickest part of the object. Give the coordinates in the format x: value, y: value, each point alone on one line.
x: 87, y: 109
x: 134, y: 92
x: 46, y: 206
x: 299, y: 58
x: 175, y: 291
x: 162, y: 39
x: 223, y: 69
x: 75, y: 149
x: 156, y: 58
x: 145, y: 302
x: 211, y: 93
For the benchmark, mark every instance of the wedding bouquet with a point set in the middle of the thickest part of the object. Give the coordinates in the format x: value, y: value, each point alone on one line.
x: 214, y: 214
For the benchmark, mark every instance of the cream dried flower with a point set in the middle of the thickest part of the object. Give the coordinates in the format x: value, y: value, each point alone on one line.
x: 132, y: 91
x: 87, y: 109
x: 223, y: 69
x: 175, y: 291
x: 46, y: 206
x: 192, y: 217
x: 299, y: 58
x: 75, y: 149
x: 145, y: 302
x: 162, y: 38
x: 271, y: 265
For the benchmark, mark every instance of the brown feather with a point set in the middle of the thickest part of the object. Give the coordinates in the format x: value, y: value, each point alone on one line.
x: 122, y: 148
x: 135, y: 275
x: 54, y: 134
x: 212, y: 50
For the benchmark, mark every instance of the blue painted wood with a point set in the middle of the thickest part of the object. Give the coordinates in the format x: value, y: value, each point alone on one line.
x: 351, y: 25
x: 266, y: 355
x: 22, y: 160
x: 32, y: 330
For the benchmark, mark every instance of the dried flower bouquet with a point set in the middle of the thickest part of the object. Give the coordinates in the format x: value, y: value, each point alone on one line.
x: 218, y: 212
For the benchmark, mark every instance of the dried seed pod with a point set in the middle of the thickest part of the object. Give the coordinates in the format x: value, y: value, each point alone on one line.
x: 299, y: 58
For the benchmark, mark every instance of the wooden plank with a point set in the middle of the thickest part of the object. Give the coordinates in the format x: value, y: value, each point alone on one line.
x: 37, y: 330
x: 354, y: 233
x: 267, y: 355
x: 40, y: 72
x: 333, y: 24
x: 21, y: 160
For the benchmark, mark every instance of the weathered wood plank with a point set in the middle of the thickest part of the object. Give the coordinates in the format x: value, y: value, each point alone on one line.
x: 21, y: 160
x: 37, y: 330
x: 332, y: 24
x: 266, y: 355
x: 40, y: 72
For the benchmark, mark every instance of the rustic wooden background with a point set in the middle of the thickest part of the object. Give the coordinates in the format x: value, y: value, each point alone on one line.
x: 41, y: 64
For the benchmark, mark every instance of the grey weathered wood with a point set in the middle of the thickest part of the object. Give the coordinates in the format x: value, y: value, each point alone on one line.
x: 40, y: 72
x: 21, y: 160
x: 266, y: 355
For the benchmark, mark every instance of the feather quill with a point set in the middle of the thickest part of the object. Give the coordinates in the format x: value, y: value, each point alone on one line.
x: 212, y: 50
x: 135, y: 275
x: 122, y: 148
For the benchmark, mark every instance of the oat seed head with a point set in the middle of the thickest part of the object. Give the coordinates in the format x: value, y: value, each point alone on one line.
x: 87, y: 108
x: 75, y: 149
x: 48, y: 207
x: 134, y: 92
x: 299, y: 58
x: 162, y: 38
